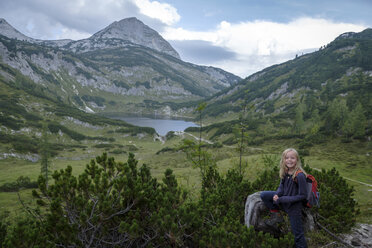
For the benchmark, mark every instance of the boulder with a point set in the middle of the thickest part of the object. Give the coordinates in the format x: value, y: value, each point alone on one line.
x: 256, y: 212
x: 360, y: 236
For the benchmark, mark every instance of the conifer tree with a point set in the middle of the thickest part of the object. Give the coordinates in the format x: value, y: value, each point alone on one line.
x: 200, y: 109
x: 44, y: 154
x: 3, y: 228
x: 241, y: 135
x: 355, y: 123
x: 269, y: 127
x: 336, y: 115
x: 337, y: 205
x: 299, y: 118
x: 199, y: 158
x: 112, y: 204
x: 360, y: 121
x: 315, y: 119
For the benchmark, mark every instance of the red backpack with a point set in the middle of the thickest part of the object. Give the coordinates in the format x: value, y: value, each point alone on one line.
x: 313, y: 195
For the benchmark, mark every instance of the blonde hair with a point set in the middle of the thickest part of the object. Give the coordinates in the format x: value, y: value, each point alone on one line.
x: 283, y: 168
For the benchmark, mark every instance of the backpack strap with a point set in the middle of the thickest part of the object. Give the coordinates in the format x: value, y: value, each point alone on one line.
x: 295, y: 177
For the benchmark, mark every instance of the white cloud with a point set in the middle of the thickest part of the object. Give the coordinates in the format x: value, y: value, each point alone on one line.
x: 44, y: 19
x: 73, y: 34
x: 161, y: 11
x: 259, y: 44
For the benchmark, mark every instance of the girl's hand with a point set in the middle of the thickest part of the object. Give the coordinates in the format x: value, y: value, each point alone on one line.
x: 275, y: 198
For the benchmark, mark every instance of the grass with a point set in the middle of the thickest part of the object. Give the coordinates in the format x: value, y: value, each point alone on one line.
x: 11, y: 205
x: 349, y: 159
x: 12, y: 168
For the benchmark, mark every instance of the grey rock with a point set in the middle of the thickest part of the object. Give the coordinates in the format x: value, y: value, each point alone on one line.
x: 256, y: 211
x: 355, y: 241
x: 30, y: 157
x: 360, y: 236
x: 135, y: 31
x: 7, y: 30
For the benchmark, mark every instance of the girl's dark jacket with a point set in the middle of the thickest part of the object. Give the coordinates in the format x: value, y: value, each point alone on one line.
x: 292, y: 193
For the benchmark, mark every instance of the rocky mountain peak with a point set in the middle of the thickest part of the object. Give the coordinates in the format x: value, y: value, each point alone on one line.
x: 365, y: 34
x: 7, y: 30
x: 135, y: 31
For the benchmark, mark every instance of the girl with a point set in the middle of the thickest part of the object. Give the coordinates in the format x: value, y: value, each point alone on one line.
x: 289, y: 196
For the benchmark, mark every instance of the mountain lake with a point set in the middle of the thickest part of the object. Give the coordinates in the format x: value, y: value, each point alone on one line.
x: 162, y: 125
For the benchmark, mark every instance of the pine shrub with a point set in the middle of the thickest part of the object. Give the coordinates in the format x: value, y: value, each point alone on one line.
x: 115, y: 204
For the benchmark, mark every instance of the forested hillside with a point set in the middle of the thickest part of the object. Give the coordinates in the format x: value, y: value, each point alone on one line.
x: 27, y: 110
x: 317, y: 95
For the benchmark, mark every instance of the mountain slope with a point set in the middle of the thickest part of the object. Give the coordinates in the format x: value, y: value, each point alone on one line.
x: 7, y: 30
x: 326, y: 74
x: 116, y: 69
x: 28, y: 110
x: 310, y: 99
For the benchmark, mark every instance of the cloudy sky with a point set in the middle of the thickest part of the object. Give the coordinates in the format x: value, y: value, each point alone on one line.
x: 240, y: 36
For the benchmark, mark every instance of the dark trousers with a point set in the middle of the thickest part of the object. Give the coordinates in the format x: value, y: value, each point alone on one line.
x: 295, y: 217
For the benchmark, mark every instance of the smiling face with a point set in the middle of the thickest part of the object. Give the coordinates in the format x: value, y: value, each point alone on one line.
x: 290, y: 160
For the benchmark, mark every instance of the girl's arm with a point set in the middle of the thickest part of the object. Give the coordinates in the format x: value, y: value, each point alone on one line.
x: 301, y: 181
x: 279, y: 191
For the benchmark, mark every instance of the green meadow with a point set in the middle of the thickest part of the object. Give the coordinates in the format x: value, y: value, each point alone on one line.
x: 352, y: 160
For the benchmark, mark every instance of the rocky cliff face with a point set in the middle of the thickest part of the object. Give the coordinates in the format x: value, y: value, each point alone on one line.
x: 7, y: 30
x: 133, y: 30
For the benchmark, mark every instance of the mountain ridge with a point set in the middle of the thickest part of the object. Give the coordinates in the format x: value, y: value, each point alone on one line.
x: 130, y: 30
x: 108, y: 67
x: 137, y: 32
x: 307, y: 68
x: 9, y: 31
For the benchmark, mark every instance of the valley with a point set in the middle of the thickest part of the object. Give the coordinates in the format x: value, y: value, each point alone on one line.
x: 352, y: 160
x: 63, y: 104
